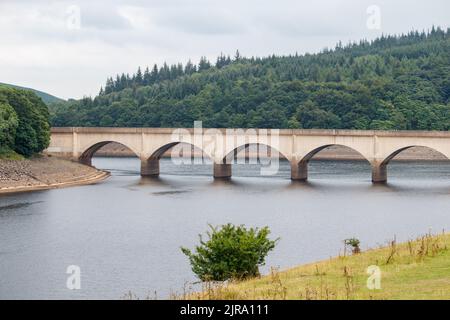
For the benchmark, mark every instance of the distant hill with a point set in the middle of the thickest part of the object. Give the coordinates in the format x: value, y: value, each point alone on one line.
x: 391, y: 83
x: 47, y: 98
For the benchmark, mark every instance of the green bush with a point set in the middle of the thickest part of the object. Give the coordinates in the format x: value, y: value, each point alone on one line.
x: 354, y: 243
x: 24, y: 121
x: 231, y: 252
x: 8, y: 125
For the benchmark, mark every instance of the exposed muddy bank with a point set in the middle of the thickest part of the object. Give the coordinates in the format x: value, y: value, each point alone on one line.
x: 44, y: 172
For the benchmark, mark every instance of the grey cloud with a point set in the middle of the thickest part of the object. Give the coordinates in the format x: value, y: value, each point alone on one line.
x: 203, y: 22
x: 105, y: 17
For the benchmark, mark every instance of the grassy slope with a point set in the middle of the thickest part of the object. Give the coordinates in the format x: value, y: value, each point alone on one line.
x: 418, y: 269
x: 47, y: 98
x: 8, y: 154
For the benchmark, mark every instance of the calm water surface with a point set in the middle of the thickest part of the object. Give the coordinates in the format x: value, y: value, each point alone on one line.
x: 125, y: 233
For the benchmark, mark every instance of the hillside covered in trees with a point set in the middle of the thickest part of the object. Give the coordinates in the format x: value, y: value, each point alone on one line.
x: 24, y: 122
x: 46, y: 97
x: 393, y: 82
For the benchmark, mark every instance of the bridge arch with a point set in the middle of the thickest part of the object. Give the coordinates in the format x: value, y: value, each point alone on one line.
x: 379, y: 173
x: 299, y: 169
x: 150, y: 164
x: 316, y: 150
x: 88, y: 153
x: 233, y: 153
x: 160, y: 150
x: 393, y: 154
x: 223, y: 168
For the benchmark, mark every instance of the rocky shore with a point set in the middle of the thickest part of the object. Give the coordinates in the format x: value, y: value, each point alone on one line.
x: 44, y: 172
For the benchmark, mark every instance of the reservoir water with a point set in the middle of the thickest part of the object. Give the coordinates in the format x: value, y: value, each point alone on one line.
x: 125, y: 233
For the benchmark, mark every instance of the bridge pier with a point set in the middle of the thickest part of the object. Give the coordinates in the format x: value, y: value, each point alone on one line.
x: 222, y: 170
x: 299, y: 170
x: 379, y: 172
x: 84, y: 160
x: 149, y: 167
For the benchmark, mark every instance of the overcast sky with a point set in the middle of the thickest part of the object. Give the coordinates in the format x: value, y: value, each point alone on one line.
x: 69, y: 48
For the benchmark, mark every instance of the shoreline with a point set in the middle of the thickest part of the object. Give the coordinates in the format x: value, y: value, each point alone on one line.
x: 102, y: 175
x: 407, y: 270
x: 45, y: 173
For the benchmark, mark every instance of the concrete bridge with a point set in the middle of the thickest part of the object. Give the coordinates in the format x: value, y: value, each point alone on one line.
x: 221, y: 145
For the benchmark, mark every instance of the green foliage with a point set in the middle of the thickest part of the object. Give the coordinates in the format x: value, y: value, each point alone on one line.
x: 230, y: 252
x: 40, y: 122
x: 311, y: 116
x: 391, y: 83
x: 24, y: 121
x: 354, y: 243
x: 47, y: 98
x: 8, y: 125
x: 7, y: 154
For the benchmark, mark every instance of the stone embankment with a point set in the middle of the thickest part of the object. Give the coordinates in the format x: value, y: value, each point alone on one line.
x: 45, y: 172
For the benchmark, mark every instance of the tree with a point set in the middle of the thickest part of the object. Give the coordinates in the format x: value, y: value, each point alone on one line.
x: 30, y: 120
x: 293, y: 123
x: 230, y: 252
x: 147, y: 77
x: 138, y: 79
x: 109, y: 87
x: 204, y: 64
x: 8, y: 125
x: 189, y: 68
x: 222, y: 61
x: 40, y: 123
x: 237, y: 56
x: 310, y: 116
x: 267, y: 115
x: 154, y: 74
x: 354, y: 243
x: 25, y: 142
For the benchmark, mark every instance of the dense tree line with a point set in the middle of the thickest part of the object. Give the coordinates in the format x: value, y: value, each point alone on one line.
x: 393, y: 82
x: 24, y: 122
